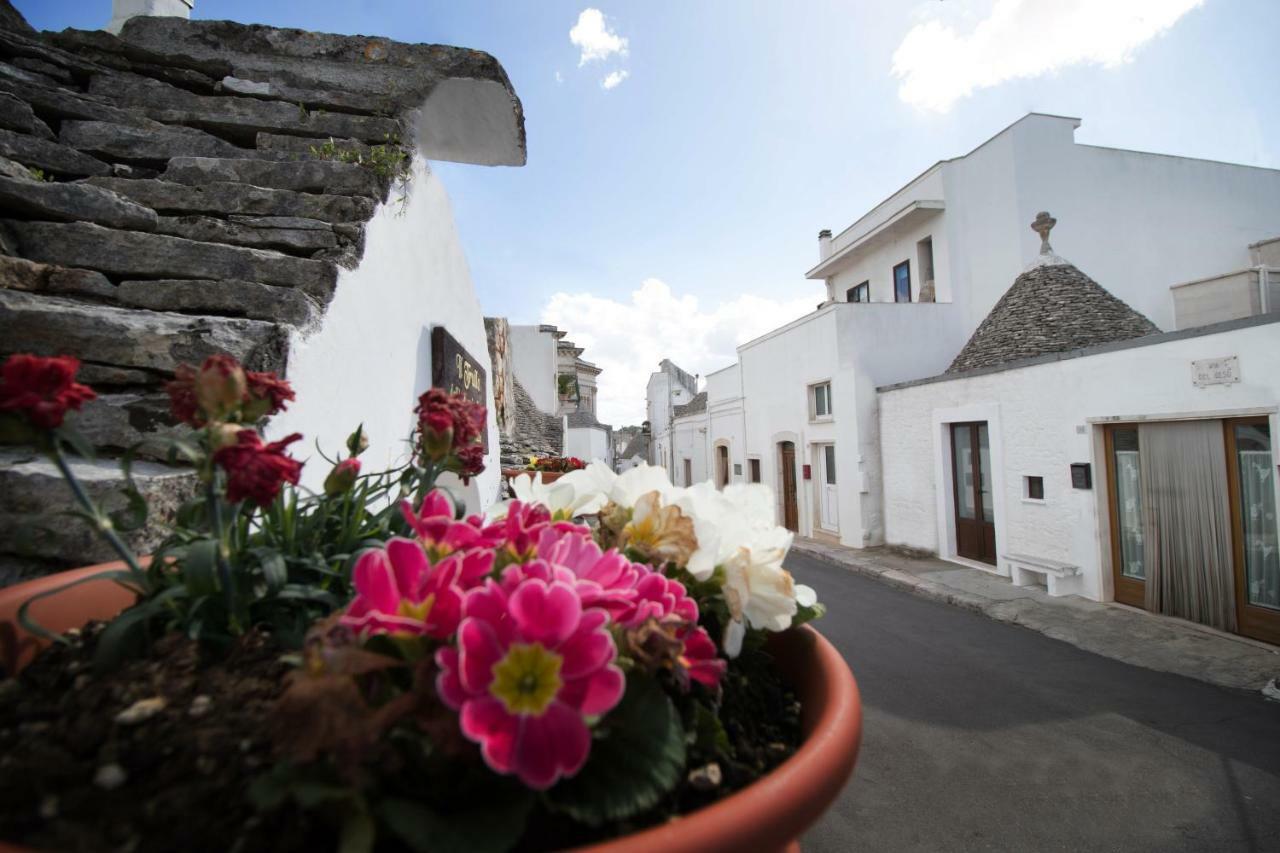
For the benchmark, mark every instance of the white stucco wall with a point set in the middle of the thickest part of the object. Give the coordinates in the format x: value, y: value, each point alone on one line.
x: 1041, y: 419
x: 689, y: 437
x: 533, y: 361
x: 589, y: 444
x: 726, y: 420
x: 370, y: 359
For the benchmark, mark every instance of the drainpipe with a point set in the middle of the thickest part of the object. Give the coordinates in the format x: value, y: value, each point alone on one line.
x: 1264, y: 289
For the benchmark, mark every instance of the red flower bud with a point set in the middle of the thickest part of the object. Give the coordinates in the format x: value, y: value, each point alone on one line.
x: 220, y: 387
x: 342, y: 477
x: 267, y: 394
x: 42, y: 389
x: 437, y: 435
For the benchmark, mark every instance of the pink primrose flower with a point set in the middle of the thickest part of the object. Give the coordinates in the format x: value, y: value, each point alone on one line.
x: 400, y: 591
x: 530, y: 667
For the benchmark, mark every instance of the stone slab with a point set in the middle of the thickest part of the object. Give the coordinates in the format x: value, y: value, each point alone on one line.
x: 224, y: 198
x: 73, y: 202
x: 309, y: 176
x: 230, y: 114
x: 125, y: 337
x: 127, y: 142
x: 49, y: 156
x: 255, y: 233
x: 226, y: 298
x: 138, y: 254
x: 33, y: 498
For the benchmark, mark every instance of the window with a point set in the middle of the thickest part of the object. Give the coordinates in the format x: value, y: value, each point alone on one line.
x: 829, y: 459
x: 755, y: 469
x: 688, y: 472
x: 924, y: 257
x: 820, y: 401
x: 860, y: 293
x: 1034, y: 488
x: 902, y: 282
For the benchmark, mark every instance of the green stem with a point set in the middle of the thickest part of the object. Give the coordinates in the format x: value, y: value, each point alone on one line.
x: 224, y: 566
x: 101, y: 519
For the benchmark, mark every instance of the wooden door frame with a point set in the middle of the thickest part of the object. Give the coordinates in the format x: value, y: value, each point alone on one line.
x: 1126, y: 590
x: 1251, y: 620
x: 794, y: 502
x: 979, y: 515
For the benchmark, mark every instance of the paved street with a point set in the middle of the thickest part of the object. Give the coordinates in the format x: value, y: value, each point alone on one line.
x: 980, y: 735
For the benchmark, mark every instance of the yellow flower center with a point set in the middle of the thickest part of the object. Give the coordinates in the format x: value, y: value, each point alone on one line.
x: 527, y: 679
x: 418, y: 611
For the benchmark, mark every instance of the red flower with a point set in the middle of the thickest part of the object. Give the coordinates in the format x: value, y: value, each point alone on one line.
x: 268, y: 394
x: 452, y: 431
x: 255, y: 471
x: 41, y: 388
x: 182, y: 396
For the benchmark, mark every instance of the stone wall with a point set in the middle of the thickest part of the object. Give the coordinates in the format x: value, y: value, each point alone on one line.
x: 194, y: 187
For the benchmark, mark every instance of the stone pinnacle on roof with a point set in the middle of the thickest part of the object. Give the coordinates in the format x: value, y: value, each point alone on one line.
x: 1042, y: 225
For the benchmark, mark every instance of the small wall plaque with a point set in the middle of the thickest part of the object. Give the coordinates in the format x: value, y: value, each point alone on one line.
x: 1215, y: 371
x: 808, y: 472
x: 737, y: 469
x: 456, y: 370
x: 1081, y: 475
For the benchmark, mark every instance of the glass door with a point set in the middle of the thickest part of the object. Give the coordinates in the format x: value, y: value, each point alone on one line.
x: 1251, y: 474
x: 971, y: 485
x: 1125, y: 494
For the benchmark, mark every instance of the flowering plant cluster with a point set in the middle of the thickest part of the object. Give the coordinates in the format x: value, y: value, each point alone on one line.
x: 566, y: 659
x: 555, y: 464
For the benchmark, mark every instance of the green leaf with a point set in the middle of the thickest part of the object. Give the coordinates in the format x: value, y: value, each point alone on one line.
x: 81, y: 445
x: 200, y: 567
x: 358, y: 833
x: 639, y: 759
x: 494, y: 827
x: 273, y: 566
x: 134, y: 515
x: 125, y: 635
x: 708, y: 735
x: 807, y: 614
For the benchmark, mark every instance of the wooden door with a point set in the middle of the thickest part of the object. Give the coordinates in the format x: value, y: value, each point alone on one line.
x: 688, y: 472
x: 790, y: 512
x: 1251, y: 472
x: 1124, y: 494
x: 722, y: 466
x: 971, y: 483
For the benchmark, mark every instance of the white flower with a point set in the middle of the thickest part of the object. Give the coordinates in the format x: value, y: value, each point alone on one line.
x: 531, y: 489
x: 591, y: 487
x: 635, y: 483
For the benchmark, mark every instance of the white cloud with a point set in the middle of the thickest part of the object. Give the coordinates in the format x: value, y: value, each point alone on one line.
x: 613, y: 79
x: 628, y: 339
x: 594, y: 38
x: 559, y: 77
x: 938, y: 64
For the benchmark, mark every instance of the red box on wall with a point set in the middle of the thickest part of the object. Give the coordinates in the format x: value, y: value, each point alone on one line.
x: 808, y: 472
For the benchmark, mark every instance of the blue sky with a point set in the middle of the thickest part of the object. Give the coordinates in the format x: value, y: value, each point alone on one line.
x: 675, y: 213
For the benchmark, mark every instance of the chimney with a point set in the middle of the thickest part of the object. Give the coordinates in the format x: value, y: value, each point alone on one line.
x: 824, y: 244
x: 123, y: 10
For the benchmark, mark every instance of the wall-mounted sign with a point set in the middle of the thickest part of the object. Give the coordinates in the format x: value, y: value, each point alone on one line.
x: 456, y: 370
x: 808, y: 472
x: 737, y: 468
x: 1215, y: 371
x: 1081, y: 475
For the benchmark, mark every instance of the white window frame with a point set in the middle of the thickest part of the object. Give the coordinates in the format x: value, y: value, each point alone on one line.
x: 814, y: 414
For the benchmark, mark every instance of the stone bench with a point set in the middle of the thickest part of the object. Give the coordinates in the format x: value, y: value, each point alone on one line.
x: 1060, y: 578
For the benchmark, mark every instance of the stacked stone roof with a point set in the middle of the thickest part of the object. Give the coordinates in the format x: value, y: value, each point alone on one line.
x: 637, y: 446
x: 695, y: 406
x: 194, y: 187
x: 1052, y: 307
x: 534, y: 432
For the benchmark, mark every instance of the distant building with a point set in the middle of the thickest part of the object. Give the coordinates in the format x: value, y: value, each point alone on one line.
x: 668, y: 387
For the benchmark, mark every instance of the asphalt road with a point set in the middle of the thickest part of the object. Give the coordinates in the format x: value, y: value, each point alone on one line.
x: 983, y: 736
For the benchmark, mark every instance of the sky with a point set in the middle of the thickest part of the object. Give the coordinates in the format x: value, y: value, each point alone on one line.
x: 683, y: 155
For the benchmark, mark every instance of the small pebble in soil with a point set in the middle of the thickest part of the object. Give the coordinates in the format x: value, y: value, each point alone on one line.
x: 200, y: 706
x: 49, y: 807
x: 109, y: 777
x: 706, y: 778
x: 141, y: 711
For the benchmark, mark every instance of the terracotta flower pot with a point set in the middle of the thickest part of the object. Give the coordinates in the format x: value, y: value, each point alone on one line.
x: 768, y: 816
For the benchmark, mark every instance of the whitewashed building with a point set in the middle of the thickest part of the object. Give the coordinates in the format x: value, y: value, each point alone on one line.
x: 668, y: 387
x: 910, y: 281
x: 1138, y: 467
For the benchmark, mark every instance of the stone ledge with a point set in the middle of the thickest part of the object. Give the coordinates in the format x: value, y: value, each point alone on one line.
x: 147, y: 144
x: 74, y: 202
x: 282, y: 233
x: 223, y: 198
x: 307, y: 176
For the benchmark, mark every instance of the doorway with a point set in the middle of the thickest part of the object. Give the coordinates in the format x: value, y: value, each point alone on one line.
x: 1199, y: 524
x: 688, y: 472
x: 971, y: 484
x: 787, y: 469
x: 828, y: 517
x: 722, y: 466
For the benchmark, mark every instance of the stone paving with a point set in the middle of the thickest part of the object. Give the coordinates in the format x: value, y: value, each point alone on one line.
x: 1111, y: 630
